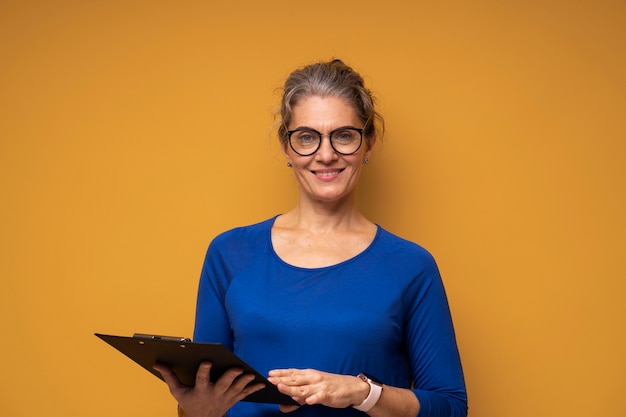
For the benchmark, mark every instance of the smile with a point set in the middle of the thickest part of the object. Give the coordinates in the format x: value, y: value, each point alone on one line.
x: 327, y: 172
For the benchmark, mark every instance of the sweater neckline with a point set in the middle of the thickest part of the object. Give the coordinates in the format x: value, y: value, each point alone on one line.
x: 320, y: 268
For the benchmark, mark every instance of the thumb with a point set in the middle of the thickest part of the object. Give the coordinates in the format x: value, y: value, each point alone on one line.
x: 169, y: 377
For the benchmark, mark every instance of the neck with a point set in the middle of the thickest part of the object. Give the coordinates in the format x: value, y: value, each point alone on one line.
x: 321, y: 217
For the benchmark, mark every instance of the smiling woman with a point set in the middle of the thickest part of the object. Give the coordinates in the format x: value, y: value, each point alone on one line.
x: 320, y: 296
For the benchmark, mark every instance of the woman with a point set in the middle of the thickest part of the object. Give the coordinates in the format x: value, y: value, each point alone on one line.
x: 319, y: 296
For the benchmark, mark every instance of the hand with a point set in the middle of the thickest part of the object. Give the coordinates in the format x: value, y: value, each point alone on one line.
x: 207, y: 399
x: 308, y: 386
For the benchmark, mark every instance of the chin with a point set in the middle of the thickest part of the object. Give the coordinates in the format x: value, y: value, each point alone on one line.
x: 331, y: 197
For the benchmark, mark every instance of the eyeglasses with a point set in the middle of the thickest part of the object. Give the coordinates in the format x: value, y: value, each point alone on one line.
x: 345, y: 140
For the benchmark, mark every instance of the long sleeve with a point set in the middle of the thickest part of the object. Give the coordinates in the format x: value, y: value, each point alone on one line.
x: 435, y: 362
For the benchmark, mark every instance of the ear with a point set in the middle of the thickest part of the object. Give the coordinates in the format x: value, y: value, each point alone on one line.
x: 284, y: 146
x: 369, y: 146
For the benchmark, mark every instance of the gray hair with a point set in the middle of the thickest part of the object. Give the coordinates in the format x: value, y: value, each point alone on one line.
x: 330, y: 79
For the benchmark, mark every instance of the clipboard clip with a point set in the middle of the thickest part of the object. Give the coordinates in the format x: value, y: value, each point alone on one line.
x: 143, y: 336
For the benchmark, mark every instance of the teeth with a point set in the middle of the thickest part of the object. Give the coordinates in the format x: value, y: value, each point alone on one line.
x: 327, y: 174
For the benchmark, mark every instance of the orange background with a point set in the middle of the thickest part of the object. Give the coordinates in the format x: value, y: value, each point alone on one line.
x: 133, y: 132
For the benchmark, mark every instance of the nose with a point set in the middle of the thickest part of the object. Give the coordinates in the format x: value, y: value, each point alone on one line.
x: 325, y: 153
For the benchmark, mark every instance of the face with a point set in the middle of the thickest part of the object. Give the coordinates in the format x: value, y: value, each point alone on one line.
x: 326, y: 175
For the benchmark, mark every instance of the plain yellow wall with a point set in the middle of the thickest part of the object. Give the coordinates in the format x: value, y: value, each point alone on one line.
x: 131, y: 132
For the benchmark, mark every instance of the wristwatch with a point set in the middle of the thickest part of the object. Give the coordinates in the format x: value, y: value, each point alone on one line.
x: 376, y: 388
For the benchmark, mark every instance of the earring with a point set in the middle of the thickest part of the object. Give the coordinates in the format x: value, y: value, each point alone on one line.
x: 289, y: 164
x: 366, y: 161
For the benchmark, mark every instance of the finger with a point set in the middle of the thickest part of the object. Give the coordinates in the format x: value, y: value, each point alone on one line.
x: 244, y: 385
x: 284, y: 380
x: 297, y: 392
x: 289, y: 378
x: 241, y: 387
x: 314, y: 399
x: 250, y: 389
x: 203, y: 375
x: 302, y: 391
x: 225, y: 381
x: 241, y: 382
x: 280, y: 373
x: 288, y: 408
x: 294, y: 377
x: 164, y: 370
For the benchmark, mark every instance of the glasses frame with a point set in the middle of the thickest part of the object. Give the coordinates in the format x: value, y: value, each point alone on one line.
x: 320, y: 135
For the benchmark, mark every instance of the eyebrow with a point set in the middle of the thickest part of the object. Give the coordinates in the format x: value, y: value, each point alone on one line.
x: 317, y: 131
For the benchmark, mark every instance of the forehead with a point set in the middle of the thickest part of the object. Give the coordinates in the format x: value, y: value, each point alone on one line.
x: 324, y: 113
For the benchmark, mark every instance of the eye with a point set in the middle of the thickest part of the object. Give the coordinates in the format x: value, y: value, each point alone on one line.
x: 345, y: 136
x: 306, y: 137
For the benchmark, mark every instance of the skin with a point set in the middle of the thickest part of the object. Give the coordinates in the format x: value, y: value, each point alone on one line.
x: 324, y: 228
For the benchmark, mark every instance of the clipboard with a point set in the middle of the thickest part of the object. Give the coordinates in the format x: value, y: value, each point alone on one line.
x: 185, y: 356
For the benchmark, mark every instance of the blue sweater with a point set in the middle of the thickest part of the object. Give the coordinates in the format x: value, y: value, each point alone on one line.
x: 383, y: 312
